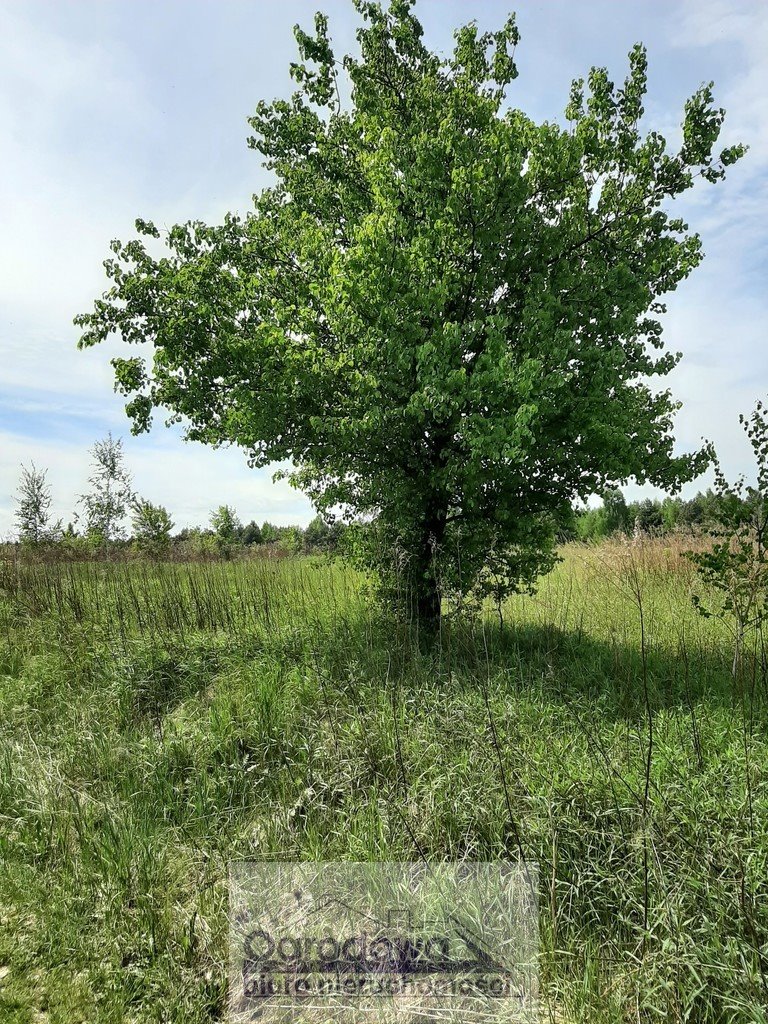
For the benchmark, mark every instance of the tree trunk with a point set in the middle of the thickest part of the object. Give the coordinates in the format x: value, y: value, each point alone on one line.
x: 425, y: 583
x: 428, y: 606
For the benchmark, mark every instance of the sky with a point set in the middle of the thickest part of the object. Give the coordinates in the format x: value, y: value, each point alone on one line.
x: 117, y: 109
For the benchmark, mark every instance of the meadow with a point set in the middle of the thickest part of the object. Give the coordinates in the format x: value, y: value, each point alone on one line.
x: 157, y: 720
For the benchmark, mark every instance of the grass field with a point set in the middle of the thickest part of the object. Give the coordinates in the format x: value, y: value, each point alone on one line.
x: 156, y: 721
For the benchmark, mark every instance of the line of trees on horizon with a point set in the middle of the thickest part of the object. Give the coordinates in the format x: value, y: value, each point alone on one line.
x: 111, y: 503
x: 650, y: 516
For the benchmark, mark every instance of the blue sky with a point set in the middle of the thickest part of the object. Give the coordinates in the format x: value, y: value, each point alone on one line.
x: 113, y: 110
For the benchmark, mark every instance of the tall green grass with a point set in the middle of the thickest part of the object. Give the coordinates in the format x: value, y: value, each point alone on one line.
x: 156, y: 721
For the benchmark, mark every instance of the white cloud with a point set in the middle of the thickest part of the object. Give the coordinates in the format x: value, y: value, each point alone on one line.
x: 63, y: 108
x: 718, y: 317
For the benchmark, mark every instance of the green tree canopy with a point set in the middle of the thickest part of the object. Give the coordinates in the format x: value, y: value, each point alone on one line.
x: 445, y: 314
x: 251, y: 533
x: 152, y: 526
x: 317, y: 536
x: 33, y: 507
x: 616, y: 511
x: 111, y: 494
x: 649, y: 518
x: 226, y: 525
x: 269, y: 533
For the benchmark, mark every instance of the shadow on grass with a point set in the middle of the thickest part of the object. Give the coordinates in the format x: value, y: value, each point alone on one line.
x: 570, y: 665
x: 554, y: 664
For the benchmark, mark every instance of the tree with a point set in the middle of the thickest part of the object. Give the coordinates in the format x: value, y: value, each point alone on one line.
x: 445, y: 314
x: 251, y: 533
x: 692, y: 513
x: 33, y: 507
x: 568, y: 527
x: 616, y: 511
x: 591, y: 524
x: 735, y: 567
x: 152, y: 526
x: 226, y: 526
x: 670, y: 514
x: 269, y: 533
x: 291, y: 539
x: 648, y: 518
x: 111, y: 495
x: 317, y: 536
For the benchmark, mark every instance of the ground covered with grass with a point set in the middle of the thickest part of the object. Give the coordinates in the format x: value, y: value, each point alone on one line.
x: 156, y: 721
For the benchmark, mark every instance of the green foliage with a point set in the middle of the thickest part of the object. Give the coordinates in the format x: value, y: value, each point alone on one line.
x: 269, y: 533
x: 152, y: 527
x: 159, y: 720
x: 226, y: 527
x: 33, y: 508
x: 323, y: 536
x: 198, y: 543
x: 111, y: 494
x: 290, y: 540
x: 445, y: 314
x: 317, y: 534
x: 670, y: 514
x: 736, y: 566
x: 251, y: 534
x: 613, y: 516
x: 591, y: 524
x: 616, y: 514
x: 648, y: 517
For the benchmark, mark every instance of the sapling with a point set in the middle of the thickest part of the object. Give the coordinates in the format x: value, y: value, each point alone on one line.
x: 736, y: 565
x: 33, y: 507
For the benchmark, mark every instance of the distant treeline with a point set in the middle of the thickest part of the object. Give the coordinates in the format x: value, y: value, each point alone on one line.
x: 227, y: 534
x: 113, y: 519
x: 651, y: 517
x: 226, y: 537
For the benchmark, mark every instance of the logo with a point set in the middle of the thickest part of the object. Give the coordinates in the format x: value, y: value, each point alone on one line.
x: 340, y: 941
